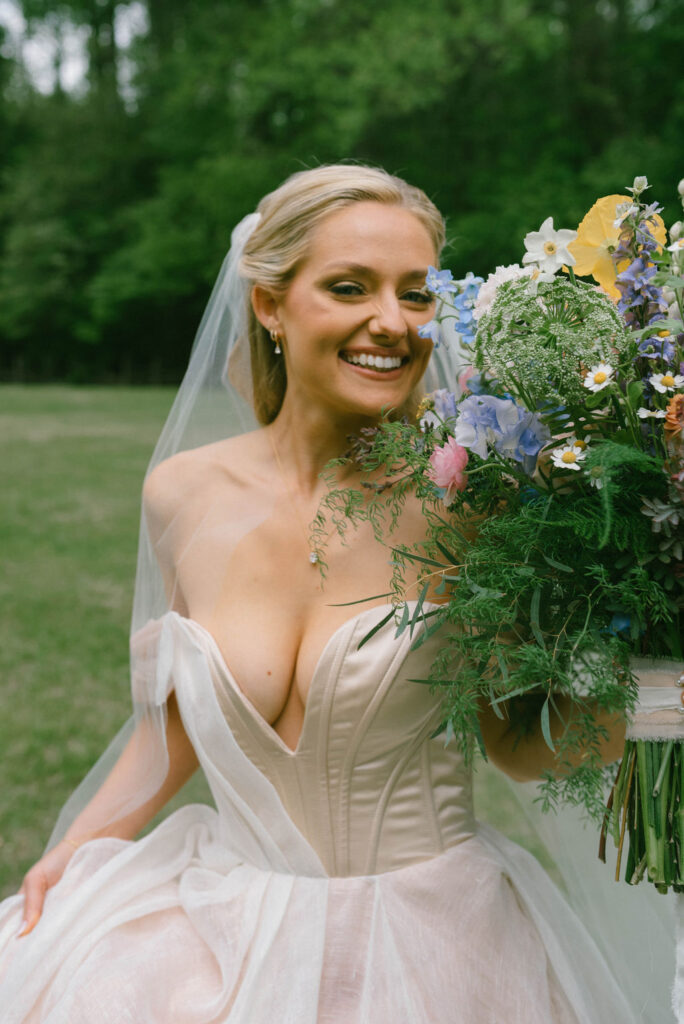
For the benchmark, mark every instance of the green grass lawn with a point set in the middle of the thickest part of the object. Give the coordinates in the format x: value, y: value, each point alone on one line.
x: 72, y: 462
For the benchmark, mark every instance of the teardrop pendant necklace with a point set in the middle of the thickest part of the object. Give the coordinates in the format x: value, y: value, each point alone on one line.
x: 314, y: 557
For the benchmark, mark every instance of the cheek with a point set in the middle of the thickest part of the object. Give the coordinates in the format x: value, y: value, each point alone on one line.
x: 423, y: 350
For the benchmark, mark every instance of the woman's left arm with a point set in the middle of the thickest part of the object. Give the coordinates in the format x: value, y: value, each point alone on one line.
x: 528, y: 756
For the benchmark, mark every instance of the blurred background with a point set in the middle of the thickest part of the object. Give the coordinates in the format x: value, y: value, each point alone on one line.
x: 133, y: 136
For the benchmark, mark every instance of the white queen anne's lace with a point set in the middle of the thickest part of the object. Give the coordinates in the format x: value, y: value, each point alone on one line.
x: 487, y: 292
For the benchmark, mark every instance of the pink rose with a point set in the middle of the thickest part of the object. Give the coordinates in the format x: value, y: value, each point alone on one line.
x: 446, y: 468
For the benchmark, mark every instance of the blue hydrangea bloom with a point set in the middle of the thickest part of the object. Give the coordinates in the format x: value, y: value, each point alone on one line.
x: 476, y: 384
x: 500, y: 423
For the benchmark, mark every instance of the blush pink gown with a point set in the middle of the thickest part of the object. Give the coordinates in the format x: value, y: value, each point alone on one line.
x: 344, y: 882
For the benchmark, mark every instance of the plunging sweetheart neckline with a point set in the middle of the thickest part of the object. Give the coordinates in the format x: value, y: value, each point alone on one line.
x: 266, y: 726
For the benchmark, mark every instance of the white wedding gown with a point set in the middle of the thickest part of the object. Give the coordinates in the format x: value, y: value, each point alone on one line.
x: 344, y: 882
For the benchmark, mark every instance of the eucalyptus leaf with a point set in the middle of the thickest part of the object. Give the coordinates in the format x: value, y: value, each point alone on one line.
x: 546, y: 726
x: 557, y: 565
x: 374, y: 630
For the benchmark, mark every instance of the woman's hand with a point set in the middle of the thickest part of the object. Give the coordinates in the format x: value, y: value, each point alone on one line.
x: 42, y: 876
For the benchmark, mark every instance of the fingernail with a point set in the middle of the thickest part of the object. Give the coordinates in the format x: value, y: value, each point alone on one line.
x: 22, y: 929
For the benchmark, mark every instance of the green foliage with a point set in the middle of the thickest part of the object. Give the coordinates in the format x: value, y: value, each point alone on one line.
x: 537, y: 596
x: 117, y: 204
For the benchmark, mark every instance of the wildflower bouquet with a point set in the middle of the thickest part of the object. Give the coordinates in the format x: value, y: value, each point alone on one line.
x: 551, y: 474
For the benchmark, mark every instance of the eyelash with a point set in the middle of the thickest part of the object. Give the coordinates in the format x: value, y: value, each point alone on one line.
x: 350, y: 289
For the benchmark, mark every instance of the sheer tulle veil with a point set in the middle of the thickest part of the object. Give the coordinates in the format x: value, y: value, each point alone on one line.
x: 633, y: 927
x: 212, y: 403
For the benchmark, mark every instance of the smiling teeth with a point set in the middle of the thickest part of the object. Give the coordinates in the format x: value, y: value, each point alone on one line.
x: 377, y: 362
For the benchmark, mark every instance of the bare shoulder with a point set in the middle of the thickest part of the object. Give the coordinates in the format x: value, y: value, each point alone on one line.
x: 187, y: 477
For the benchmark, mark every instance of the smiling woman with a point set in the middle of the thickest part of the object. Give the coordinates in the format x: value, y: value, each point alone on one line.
x: 341, y: 877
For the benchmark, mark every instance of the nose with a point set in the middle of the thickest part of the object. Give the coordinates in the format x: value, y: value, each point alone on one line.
x: 388, y: 323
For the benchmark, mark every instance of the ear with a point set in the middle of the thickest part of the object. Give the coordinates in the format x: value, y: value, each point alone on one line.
x: 265, y: 304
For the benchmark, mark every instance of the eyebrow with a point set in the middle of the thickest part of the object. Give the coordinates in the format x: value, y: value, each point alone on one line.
x: 360, y: 268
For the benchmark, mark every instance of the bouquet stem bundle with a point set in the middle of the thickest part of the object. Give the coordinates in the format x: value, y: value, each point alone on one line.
x: 645, y: 810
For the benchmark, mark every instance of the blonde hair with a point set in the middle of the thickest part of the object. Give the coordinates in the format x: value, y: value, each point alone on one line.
x: 278, y: 244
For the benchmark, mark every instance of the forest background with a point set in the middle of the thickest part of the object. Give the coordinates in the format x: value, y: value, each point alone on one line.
x: 118, y: 191
x: 133, y: 137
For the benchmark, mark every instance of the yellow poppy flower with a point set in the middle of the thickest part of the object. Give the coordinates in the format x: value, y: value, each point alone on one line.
x: 597, y: 238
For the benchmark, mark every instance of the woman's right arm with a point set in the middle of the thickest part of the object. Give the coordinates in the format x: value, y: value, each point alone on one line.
x: 160, y: 499
x: 93, y: 821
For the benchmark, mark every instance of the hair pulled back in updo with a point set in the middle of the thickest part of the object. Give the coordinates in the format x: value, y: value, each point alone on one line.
x: 280, y: 241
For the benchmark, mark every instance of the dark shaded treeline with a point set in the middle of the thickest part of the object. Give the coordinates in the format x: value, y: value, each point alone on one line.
x: 116, y: 205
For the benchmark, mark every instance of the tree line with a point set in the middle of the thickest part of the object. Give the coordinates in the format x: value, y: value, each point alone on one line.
x: 117, y: 199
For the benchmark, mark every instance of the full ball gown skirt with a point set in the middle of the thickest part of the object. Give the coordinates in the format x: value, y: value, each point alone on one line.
x: 344, y: 882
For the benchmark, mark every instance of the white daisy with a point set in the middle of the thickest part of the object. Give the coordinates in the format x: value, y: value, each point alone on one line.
x: 594, y: 475
x: 568, y: 457
x: 664, y: 382
x: 549, y: 248
x: 599, y: 377
x: 644, y: 414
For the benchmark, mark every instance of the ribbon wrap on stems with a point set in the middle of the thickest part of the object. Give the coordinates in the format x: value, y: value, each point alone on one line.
x: 647, y: 802
x: 659, y: 714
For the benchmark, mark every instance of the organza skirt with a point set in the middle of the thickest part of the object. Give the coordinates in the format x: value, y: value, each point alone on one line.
x: 175, y: 929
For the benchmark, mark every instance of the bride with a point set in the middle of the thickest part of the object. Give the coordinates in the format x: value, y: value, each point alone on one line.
x: 341, y: 876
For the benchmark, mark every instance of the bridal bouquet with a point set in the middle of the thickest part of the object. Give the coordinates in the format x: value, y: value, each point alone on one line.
x: 552, y: 477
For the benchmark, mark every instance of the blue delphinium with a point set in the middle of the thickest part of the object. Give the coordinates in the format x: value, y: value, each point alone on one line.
x: 655, y: 347
x: 641, y: 302
x: 456, y: 304
x: 440, y: 282
x: 432, y: 330
x: 464, y: 303
x: 485, y: 421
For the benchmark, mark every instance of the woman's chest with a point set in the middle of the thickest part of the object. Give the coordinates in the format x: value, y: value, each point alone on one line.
x: 272, y: 612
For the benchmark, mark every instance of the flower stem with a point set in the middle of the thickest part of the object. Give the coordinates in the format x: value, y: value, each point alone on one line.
x: 624, y: 811
x: 664, y: 765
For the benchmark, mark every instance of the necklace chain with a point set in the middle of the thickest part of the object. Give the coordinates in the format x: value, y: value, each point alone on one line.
x: 314, y: 557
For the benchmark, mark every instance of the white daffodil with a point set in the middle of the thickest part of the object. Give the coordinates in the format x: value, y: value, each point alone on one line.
x: 623, y: 211
x: 599, y: 377
x: 656, y: 414
x: 664, y: 382
x: 549, y: 248
x: 538, y: 277
x: 639, y: 185
x: 568, y: 457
